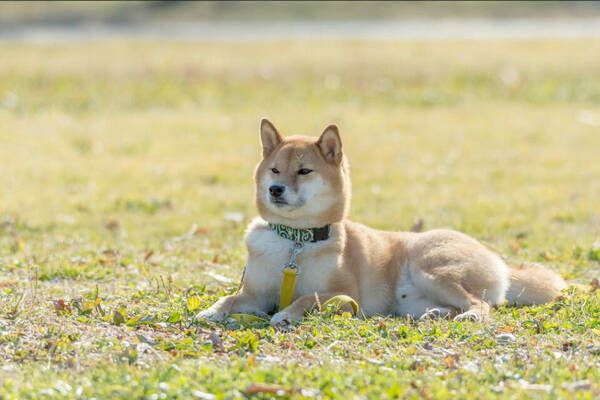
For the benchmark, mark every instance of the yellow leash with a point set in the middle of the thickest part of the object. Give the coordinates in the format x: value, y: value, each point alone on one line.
x: 340, y: 301
x: 290, y: 270
x: 287, y: 288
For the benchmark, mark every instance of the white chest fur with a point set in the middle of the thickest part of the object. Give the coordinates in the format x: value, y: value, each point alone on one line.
x: 268, y: 252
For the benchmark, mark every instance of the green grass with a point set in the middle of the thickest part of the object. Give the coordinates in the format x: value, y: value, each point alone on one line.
x: 127, y: 166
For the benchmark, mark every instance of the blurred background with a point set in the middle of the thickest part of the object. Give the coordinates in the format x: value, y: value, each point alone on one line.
x: 279, y: 20
x: 128, y: 124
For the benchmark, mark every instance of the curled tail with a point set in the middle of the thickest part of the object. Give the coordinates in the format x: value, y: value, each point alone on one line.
x: 533, y: 284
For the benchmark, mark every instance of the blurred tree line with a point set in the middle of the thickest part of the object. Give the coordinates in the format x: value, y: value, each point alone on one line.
x: 65, y: 12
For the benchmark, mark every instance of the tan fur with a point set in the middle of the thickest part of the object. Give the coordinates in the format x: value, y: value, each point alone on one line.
x: 533, y: 284
x: 434, y: 273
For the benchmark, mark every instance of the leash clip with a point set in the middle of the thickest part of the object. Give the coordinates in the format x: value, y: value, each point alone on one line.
x: 297, y: 249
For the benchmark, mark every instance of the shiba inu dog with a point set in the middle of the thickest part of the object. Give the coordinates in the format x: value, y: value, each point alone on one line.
x: 303, y: 197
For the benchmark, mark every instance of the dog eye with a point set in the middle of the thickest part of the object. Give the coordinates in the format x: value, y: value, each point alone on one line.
x: 304, y: 171
x: 275, y: 170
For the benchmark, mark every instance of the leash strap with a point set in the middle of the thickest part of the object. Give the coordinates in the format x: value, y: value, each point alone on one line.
x: 290, y: 271
x: 287, y: 288
x: 340, y: 301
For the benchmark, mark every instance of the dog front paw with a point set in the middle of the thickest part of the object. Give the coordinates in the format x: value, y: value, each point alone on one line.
x: 211, y: 314
x: 433, y: 313
x: 469, y: 316
x: 281, y: 319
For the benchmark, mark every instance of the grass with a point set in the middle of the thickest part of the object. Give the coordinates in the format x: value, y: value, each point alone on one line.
x: 126, y: 186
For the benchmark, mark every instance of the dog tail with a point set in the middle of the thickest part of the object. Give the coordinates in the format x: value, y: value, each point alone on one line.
x: 533, y: 284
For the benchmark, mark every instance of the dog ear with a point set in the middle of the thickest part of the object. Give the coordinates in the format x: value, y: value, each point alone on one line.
x: 269, y: 137
x: 330, y: 144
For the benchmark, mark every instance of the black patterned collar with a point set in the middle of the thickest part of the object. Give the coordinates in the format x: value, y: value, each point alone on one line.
x: 301, y: 235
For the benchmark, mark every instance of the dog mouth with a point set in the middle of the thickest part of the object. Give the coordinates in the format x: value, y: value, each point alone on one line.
x: 279, y: 202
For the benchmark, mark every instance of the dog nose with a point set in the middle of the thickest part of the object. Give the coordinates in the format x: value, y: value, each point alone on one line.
x: 276, y: 190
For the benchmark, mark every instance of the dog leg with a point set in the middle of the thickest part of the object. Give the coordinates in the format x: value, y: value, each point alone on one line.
x: 237, y: 303
x: 445, y: 289
x: 296, y: 310
x: 435, y: 313
x: 478, y: 311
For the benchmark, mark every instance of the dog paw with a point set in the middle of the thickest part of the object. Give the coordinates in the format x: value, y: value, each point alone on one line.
x: 433, y: 313
x: 468, y: 316
x: 281, y: 319
x: 211, y: 315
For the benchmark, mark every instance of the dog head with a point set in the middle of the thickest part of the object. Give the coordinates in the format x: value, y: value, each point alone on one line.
x: 302, y: 181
